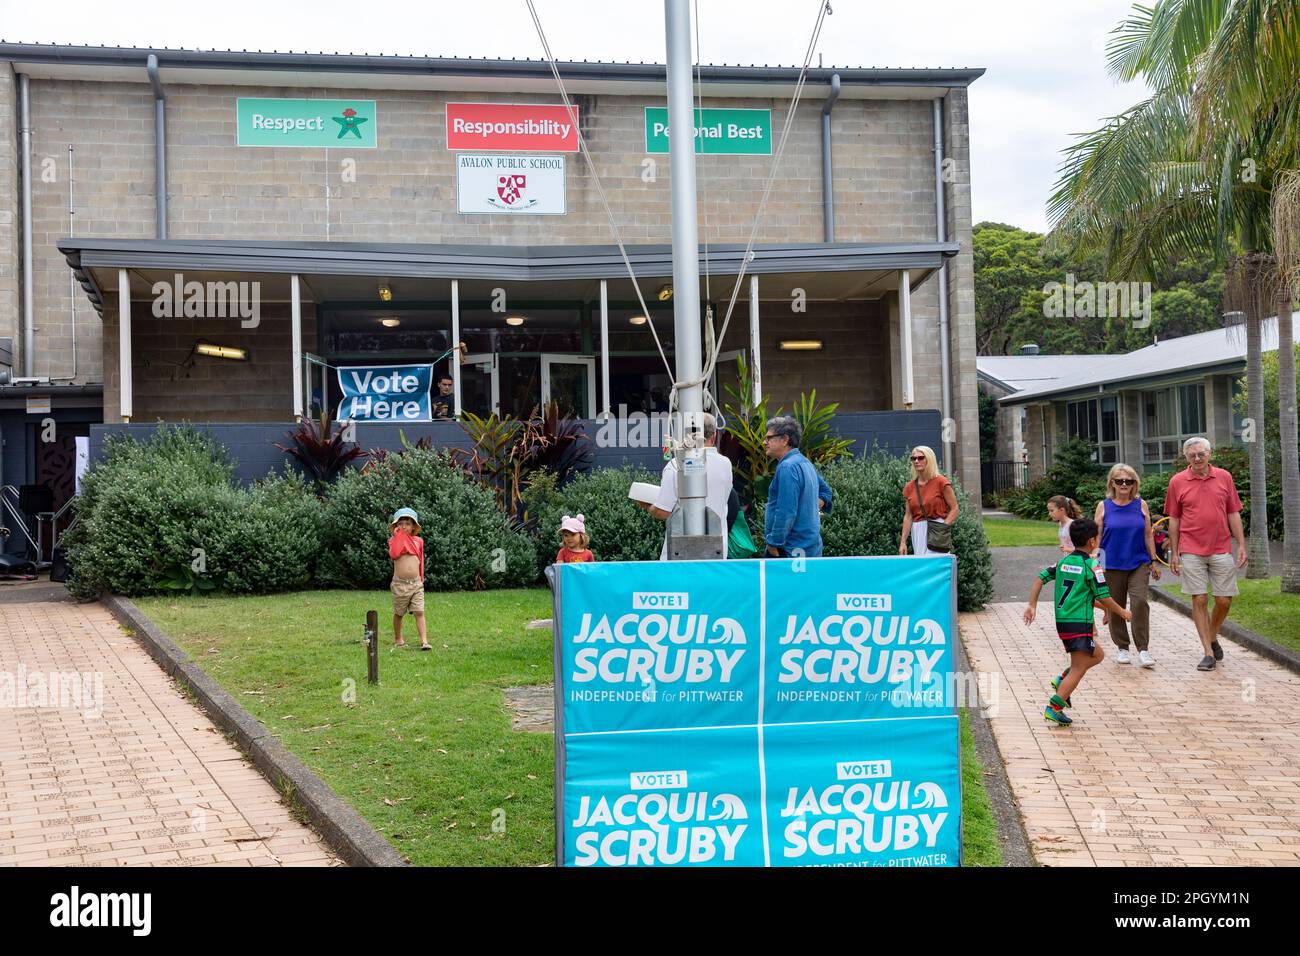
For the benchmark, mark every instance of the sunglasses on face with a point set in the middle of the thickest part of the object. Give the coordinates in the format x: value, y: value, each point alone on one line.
x: 918, y: 458
x: 1125, y: 481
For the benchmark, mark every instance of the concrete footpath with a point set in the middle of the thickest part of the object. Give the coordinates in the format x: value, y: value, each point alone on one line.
x: 1165, y: 766
x: 104, y: 763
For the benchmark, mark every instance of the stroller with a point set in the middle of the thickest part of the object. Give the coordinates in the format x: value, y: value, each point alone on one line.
x: 15, y: 567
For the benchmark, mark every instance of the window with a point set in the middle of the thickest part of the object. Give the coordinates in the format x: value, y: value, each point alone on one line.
x: 1169, y: 417
x: 1098, y: 421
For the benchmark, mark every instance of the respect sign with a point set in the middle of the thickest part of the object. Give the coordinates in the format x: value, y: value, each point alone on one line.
x: 757, y: 713
x: 351, y: 124
x: 385, y: 393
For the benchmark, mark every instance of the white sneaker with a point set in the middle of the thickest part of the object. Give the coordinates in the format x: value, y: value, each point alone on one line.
x: 1123, y: 658
x: 1146, y: 660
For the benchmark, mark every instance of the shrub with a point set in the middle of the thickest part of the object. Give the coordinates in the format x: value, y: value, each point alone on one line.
x: 269, y: 538
x: 867, y: 519
x: 467, y: 541
x: 619, y: 529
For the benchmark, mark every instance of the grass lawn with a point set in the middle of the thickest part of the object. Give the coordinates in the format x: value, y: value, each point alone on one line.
x: 428, y: 757
x: 1019, y: 532
x: 1262, y: 607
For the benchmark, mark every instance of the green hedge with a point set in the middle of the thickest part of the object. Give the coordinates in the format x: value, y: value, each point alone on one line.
x: 619, y: 530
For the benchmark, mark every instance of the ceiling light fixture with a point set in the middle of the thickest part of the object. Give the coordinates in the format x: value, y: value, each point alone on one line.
x: 801, y: 345
x: 637, y: 320
x: 514, y: 320
x: 391, y: 323
x: 385, y: 293
x: 665, y: 292
x: 221, y: 351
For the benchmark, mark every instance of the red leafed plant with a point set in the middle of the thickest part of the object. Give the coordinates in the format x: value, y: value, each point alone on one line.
x: 321, y: 449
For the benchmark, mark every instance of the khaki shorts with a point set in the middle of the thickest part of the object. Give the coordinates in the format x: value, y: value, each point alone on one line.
x: 1219, y: 570
x: 408, y: 596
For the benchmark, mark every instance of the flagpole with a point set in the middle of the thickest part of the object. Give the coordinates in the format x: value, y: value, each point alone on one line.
x: 692, y: 479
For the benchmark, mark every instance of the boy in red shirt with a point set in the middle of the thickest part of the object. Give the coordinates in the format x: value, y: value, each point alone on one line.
x: 406, y: 551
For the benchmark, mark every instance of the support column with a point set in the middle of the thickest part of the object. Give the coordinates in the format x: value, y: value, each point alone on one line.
x: 455, y: 344
x: 905, y: 335
x: 124, y: 344
x: 295, y: 316
x: 604, y: 348
x: 754, y: 341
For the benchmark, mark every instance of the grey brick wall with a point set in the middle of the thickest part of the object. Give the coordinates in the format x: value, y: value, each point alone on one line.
x: 10, y: 226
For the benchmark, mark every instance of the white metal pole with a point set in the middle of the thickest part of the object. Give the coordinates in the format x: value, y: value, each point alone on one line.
x: 295, y: 317
x: 455, y: 344
x: 604, y: 347
x: 692, y: 480
x: 124, y: 343
x: 905, y: 327
x: 754, y: 347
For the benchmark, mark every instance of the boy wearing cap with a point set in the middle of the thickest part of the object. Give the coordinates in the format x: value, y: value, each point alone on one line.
x: 406, y: 551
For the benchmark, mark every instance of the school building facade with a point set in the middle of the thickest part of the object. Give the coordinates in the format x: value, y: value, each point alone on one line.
x: 207, y: 236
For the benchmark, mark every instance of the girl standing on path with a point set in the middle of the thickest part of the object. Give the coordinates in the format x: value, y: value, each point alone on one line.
x: 1063, y: 510
x: 928, y: 496
x: 1128, y: 550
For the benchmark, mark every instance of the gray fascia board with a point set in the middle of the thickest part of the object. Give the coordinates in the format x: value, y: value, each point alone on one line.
x: 1128, y: 383
x: 19, y: 53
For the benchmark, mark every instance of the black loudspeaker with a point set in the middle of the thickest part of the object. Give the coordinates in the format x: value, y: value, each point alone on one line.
x: 33, y: 499
x: 59, y: 571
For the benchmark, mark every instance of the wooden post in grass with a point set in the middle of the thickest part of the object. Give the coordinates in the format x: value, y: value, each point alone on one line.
x: 372, y: 646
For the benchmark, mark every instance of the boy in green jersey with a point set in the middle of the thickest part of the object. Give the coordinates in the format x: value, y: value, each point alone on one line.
x: 1078, y: 583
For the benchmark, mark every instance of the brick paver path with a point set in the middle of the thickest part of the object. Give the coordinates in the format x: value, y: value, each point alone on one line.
x: 148, y: 781
x: 1165, y: 766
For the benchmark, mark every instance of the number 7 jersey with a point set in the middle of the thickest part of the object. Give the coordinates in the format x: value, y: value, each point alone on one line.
x: 1078, y: 581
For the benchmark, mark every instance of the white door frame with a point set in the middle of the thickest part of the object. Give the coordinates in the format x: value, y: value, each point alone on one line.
x: 727, y: 356
x: 555, y: 358
x: 480, y: 358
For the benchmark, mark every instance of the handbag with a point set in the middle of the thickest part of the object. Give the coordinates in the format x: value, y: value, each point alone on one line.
x: 938, y: 533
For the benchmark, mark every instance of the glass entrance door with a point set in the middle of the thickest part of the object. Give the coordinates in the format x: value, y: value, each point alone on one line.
x: 570, y: 380
x: 480, y: 385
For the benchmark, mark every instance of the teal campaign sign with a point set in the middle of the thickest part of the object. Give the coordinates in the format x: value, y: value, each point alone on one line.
x: 757, y: 713
x: 351, y: 124
x: 385, y: 393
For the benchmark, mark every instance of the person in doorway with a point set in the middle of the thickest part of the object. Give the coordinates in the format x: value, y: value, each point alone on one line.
x: 929, y: 496
x: 797, y: 496
x: 1063, y: 510
x: 406, y: 551
x: 1204, y: 512
x: 1128, y: 556
x: 717, y: 492
x: 444, y: 403
x: 575, y: 544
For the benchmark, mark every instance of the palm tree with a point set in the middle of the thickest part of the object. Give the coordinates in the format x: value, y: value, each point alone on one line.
x: 1193, y: 168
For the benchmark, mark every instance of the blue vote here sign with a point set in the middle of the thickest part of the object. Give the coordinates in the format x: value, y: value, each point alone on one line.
x: 385, y: 393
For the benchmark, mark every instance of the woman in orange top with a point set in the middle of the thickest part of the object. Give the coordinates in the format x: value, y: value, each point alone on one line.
x: 936, y: 501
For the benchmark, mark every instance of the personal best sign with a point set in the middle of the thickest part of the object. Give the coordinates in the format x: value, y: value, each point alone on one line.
x: 717, y: 131
x: 307, y: 123
x: 385, y: 393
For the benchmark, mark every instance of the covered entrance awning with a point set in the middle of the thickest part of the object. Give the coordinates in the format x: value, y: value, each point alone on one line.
x: 457, y: 278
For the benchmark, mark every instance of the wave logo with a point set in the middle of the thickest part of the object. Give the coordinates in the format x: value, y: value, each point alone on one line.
x: 931, y: 632
x: 728, y: 631
x: 928, y: 795
x: 728, y: 806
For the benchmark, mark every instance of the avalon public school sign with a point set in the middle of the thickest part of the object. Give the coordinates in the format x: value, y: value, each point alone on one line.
x: 510, y: 184
x: 721, y: 132
x: 351, y: 124
x: 757, y: 713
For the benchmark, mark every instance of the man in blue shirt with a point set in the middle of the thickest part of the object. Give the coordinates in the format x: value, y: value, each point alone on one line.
x: 792, y: 525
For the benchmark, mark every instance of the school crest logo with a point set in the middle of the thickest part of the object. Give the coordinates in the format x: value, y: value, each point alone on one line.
x: 510, y: 192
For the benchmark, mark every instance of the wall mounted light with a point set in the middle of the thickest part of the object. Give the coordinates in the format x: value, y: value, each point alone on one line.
x: 221, y: 351
x: 637, y: 320
x: 665, y: 292
x: 801, y: 345
x: 514, y: 320
x: 385, y: 293
x: 391, y: 323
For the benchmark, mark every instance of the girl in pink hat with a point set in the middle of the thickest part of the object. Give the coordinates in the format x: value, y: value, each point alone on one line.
x: 573, y: 532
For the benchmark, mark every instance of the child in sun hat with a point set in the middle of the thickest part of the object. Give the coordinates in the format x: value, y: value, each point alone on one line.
x: 406, y: 551
x: 573, y: 532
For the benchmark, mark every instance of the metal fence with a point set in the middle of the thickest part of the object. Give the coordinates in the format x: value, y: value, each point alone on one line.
x: 1000, y: 475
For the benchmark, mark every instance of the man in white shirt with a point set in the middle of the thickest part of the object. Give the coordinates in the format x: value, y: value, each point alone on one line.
x: 719, y: 474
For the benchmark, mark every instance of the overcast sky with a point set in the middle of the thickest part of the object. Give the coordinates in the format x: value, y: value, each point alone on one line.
x: 1045, y: 62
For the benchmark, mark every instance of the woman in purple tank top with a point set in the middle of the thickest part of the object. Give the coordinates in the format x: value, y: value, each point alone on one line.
x: 1128, y: 554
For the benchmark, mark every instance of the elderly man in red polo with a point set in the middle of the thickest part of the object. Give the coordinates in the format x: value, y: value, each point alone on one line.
x: 1204, y: 512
